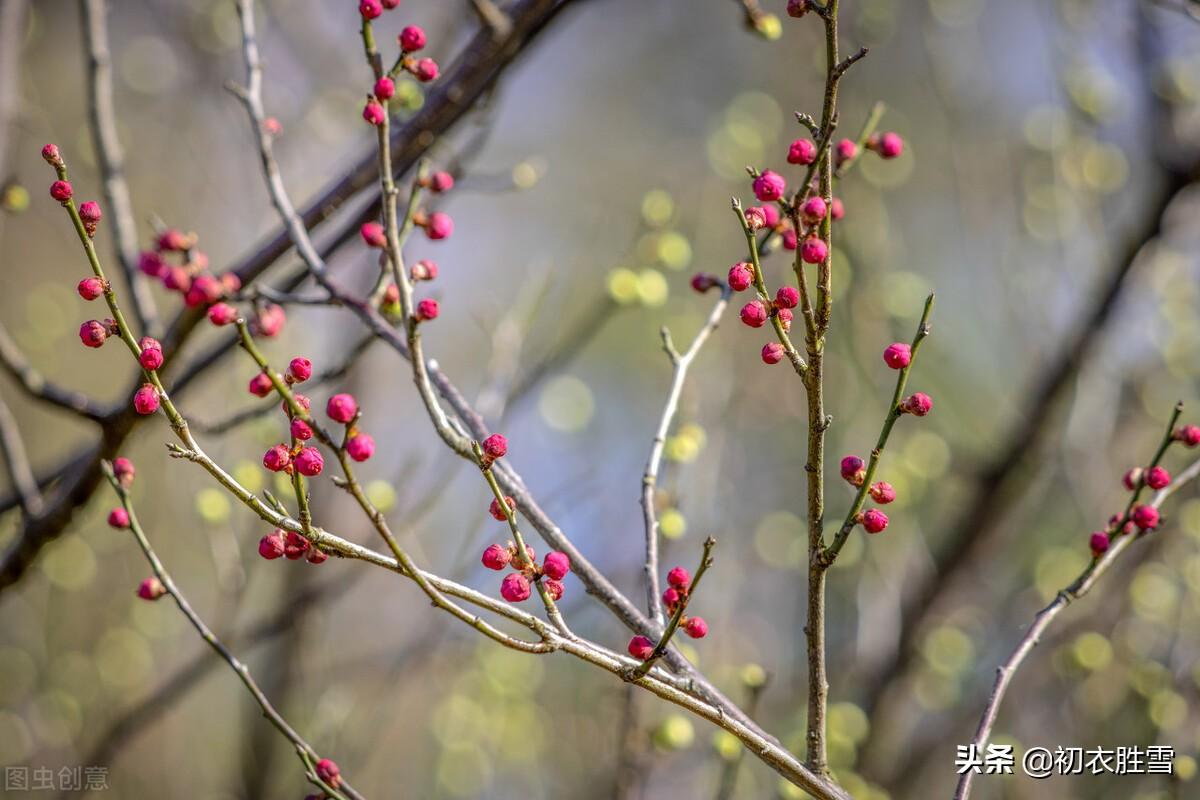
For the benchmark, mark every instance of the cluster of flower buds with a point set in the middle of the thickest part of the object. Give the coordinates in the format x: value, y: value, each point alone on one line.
x: 177, y: 262
x: 679, y: 582
x: 410, y: 40
x: 290, y: 545
x: 516, y: 586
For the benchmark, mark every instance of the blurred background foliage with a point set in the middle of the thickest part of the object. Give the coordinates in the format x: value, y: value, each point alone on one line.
x: 1040, y: 137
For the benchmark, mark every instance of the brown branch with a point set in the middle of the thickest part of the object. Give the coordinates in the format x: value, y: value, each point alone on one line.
x: 15, y: 458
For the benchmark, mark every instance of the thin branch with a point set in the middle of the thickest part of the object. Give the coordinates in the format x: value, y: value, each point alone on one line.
x: 893, y: 414
x: 102, y: 119
x: 17, y: 460
x: 1077, y: 589
x: 240, y: 669
x: 664, y: 641
x: 680, y: 364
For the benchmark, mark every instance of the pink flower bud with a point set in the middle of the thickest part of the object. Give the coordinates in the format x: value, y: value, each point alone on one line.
x: 222, y: 314
x: 889, y: 145
x: 360, y: 447
x: 177, y: 279
x: 93, y: 333
x: 696, y: 627
x: 769, y: 213
x: 499, y: 513
x: 1189, y: 435
x: 845, y: 151
x: 294, y: 545
x: 515, y: 587
x: 802, y: 151
x: 670, y: 598
x: 151, y: 263
x: 556, y: 565
x: 327, y: 769
x: 641, y: 648
x: 554, y: 588
x: 785, y: 318
x: 787, y: 297
x: 425, y: 70
x: 798, y: 8
x: 123, y: 471
x: 439, y: 226
x: 390, y: 4
x: 1157, y: 478
x: 411, y: 39
x: 441, y: 182
x: 814, y: 250
x: 741, y: 275
x: 341, y: 407
x: 278, y: 458
x: 1132, y: 478
x: 370, y: 9
x: 118, y: 518
x: 269, y: 321
x: 918, y: 404
x: 427, y: 310
x: 1098, y: 542
x: 151, y: 358
x: 703, y: 281
x: 310, y: 462
x: 1145, y: 517
x: 373, y: 113
x: 151, y: 589
x: 423, y: 270
x: 173, y: 240
x: 385, y: 88
x: 205, y: 289
x: 854, y: 470
x: 90, y: 288
x: 882, y: 492
x: 260, y: 385
x: 873, y: 520
x: 299, y: 370
x: 60, y: 191
x: 316, y: 556
x: 372, y: 233
x: 495, y: 446
x: 89, y: 212
x: 769, y: 186
x: 790, y: 240
x: 756, y: 218
x: 813, y: 210
x: 836, y: 209
x: 52, y: 156
x: 271, y: 546
x: 145, y: 400
x: 897, y: 355
x: 496, y: 557
x: 772, y: 353
x: 679, y: 578
x: 301, y: 430
x: 754, y: 314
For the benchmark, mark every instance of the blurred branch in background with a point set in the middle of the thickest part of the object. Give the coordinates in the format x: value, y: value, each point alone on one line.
x: 102, y: 119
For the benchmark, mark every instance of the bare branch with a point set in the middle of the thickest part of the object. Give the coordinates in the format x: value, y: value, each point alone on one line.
x: 36, y: 386
x: 680, y: 363
x: 102, y: 118
x: 17, y: 460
